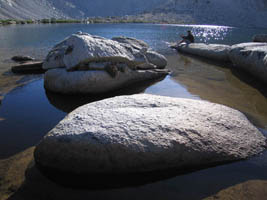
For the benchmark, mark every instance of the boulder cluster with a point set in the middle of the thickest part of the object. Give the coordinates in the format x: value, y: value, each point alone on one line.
x: 142, y: 134
x: 85, y: 63
x: 251, y: 57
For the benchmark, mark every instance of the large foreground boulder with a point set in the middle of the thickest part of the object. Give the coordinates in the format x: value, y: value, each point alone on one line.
x: 251, y: 57
x: 145, y: 133
x: 217, y: 52
x: 84, y: 61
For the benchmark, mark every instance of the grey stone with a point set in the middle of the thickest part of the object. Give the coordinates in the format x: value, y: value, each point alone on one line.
x: 106, y: 64
x: 251, y: 57
x: 145, y: 133
x: 135, y: 43
x: 84, y: 48
x: 157, y: 59
x: 217, y: 52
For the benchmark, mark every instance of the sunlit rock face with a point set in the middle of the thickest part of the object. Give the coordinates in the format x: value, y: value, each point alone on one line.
x: 245, y: 13
x: 83, y: 63
x: 216, y: 52
x: 252, y: 57
x: 145, y: 133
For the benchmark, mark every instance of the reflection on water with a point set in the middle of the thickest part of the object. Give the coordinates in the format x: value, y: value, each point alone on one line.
x: 68, y: 103
x: 218, y: 84
x: 28, y: 117
x: 211, y: 33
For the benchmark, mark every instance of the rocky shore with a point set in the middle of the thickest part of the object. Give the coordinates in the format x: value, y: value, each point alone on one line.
x: 250, y: 57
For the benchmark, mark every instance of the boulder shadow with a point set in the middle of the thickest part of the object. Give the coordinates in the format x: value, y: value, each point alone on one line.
x: 68, y: 103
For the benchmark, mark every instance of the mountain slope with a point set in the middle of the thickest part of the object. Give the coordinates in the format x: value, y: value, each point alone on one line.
x: 28, y: 9
x: 252, y: 13
x: 38, y: 9
x: 242, y: 13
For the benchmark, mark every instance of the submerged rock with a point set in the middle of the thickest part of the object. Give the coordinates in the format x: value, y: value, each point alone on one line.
x: 120, y: 58
x: 260, y: 38
x: 251, y: 57
x: 217, y: 52
x: 145, y: 133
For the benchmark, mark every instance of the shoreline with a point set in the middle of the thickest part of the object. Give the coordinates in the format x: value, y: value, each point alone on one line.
x: 93, y: 20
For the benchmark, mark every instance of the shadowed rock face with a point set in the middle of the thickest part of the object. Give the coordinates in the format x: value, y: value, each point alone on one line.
x: 252, y: 57
x: 145, y: 133
x: 83, y: 63
x: 96, y: 81
x: 260, y: 38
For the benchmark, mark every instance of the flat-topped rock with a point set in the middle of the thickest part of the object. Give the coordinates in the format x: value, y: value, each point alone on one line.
x: 260, y: 38
x: 145, y: 133
x: 217, y: 52
x: 251, y: 57
x: 30, y: 67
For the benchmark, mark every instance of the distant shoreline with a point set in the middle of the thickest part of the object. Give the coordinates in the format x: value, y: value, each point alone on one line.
x: 93, y: 20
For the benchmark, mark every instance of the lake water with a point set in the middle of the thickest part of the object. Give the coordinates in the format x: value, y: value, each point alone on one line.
x: 28, y: 112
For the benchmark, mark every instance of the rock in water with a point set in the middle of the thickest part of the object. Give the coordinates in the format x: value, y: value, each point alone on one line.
x: 217, y: 52
x: 260, y: 38
x: 85, y: 59
x: 145, y: 133
x: 31, y: 67
x: 85, y: 48
x: 251, y: 57
x: 157, y: 59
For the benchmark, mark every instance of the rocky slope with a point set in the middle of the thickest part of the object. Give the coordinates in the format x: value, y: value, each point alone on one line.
x: 37, y: 9
x: 28, y: 9
x: 246, y: 13
x: 250, y: 13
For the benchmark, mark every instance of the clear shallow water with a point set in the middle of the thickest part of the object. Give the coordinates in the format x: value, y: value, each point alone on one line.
x: 29, y: 112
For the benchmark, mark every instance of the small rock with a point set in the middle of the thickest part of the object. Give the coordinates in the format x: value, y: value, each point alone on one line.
x: 157, y: 59
x: 22, y: 58
x: 34, y: 67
